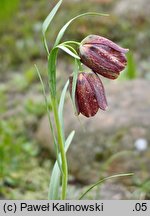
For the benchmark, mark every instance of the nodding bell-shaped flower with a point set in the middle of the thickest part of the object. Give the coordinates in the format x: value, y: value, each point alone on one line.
x: 103, y: 56
x: 89, y: 95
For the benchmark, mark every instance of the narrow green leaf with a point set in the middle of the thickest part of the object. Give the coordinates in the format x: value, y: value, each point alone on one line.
x: 74, y: 83
x: 61, y: 106
x: 131, y: 67
x: 72, y: 49
x: 69, y: 140
x: 47, y: 22
x: 130, y: 72
x: 52, y: 58
x: 99, y: 182
x: 71, y: 42
x: 54, y: 183
x: 63, y: 29
x: 56, y: 174
x: 49, y: 18
x: 64, y: 48
x: 46, y: 103
x: 49, y: 117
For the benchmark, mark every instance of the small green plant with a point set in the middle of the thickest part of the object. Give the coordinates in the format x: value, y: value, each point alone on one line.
x: 103, y: 57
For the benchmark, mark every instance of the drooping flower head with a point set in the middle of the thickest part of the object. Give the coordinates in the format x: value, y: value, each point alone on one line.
x: 103, y: 56
x: 89, y: 95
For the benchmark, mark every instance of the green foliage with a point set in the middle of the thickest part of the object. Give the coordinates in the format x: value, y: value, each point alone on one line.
x: 15, y: 151
x: 56, y: 173
x: 74, y: 82
x: 30, y: 75
x: 61, y: 107
x: 66, y: 49
x: 23, y: 40
x: 142, y: 188
x: 20, y: 44
x: 47, y: 22
x: 7, y: 9
x: 35, y: 108
x: 22, y: 81
x: 130, y: 71
x: 145, y: 186
x: 17, y: 147
x: 3, y: 89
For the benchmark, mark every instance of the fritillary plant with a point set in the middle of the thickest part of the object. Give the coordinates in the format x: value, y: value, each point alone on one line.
x: 104, y: 58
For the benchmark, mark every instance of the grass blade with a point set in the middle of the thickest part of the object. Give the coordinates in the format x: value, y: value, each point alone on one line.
x: 130, y: 72
x: 49, y: 18
x: 65, y: 49
x: 63, y: 29
x: 74, y: 82
x: 56, y: 174
x: 69, y: 140
x: 99, y: 182
x: 46, y: 103
x: 49, y: 117
x: 52, y: 58
x: 61, y: 106
x: 54, y: 183
x: 47, y: 22
x: 131, y: 68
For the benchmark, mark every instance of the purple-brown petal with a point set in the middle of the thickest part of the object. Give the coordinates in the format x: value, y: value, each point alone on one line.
x: 106, y: 59
x: 86, y: 100
x: 96, y: 39
x: 98, y: 89
x: 97, y: 64
x: 103, y: 56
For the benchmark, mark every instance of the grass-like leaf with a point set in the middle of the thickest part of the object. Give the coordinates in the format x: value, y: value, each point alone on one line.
x: 54, y: 183
x: 67, y: 50
x: 130, y: 72
x: 102, y: 180
x: 131, y: 67
x: 49, y: 18
x: 49, y: 117
x: 63, y: 29
x: 56, y: 174
x: 46, y: 103
x: 47, y: 22
x: 74, y: 82
x: 61, y: 106
x: 69, y: 140
x: 52, y: 58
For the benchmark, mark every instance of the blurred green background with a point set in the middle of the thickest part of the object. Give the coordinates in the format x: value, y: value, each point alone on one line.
x: 24, y: 164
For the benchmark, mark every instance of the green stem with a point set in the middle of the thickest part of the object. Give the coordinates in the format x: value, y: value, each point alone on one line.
x: 62, y: 149
x: 45, y: 45
x: 52, y: 59
x: 71, y: 42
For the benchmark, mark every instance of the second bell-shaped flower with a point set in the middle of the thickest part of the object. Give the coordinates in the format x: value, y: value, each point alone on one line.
x: 102, y: 56
x: 89, y: 94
